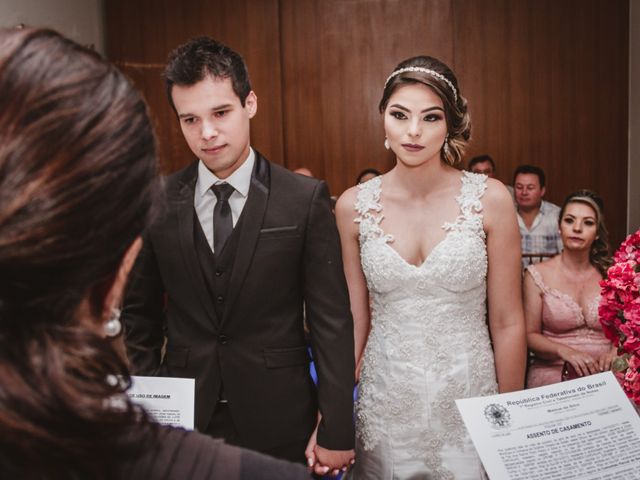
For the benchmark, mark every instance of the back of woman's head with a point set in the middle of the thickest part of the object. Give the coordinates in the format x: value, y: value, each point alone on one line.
x: 77, y: 185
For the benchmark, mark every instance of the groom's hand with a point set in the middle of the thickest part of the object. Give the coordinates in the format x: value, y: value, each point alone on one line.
x: 334, y: 460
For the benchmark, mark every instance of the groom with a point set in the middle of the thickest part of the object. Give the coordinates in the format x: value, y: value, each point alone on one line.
x: 225, y: 272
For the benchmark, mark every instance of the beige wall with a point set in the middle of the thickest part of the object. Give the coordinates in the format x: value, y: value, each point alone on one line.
x: 633, y: 190
x: 81, y: 20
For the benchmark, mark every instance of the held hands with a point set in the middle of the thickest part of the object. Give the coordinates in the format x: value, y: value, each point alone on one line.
x: 336, y: 460
x: 322, y: 461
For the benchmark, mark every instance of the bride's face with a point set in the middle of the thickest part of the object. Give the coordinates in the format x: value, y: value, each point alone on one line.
x: 415, y: 124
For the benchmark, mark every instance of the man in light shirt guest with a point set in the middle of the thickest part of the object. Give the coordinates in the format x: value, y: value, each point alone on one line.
x: 537, y: 218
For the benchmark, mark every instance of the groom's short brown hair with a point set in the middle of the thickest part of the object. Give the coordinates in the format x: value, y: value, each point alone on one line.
x: 200, y: 57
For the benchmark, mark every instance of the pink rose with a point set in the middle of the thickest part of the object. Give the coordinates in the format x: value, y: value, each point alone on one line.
x: 628, y: 248
x: 622, y: 276
x: 631, y: 383
x: 619, y: 309
x: 632, y: 311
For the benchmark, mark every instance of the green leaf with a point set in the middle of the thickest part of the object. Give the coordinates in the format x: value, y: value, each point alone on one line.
x: 620, y: 364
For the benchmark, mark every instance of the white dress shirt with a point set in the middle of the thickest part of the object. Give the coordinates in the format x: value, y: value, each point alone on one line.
x: 205, y: 199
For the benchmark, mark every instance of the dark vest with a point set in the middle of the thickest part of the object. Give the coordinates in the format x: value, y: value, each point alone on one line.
x: 217, y: 268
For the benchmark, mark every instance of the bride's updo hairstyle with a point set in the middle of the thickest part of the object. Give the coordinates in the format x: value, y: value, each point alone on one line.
x: 78, y: 184
x: 600, y: 253
x: 436, y: 75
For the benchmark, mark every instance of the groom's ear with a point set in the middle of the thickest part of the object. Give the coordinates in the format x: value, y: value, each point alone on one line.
x: 251, y: 104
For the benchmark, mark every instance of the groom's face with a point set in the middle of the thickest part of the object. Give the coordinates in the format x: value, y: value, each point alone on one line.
x: 214, y: 122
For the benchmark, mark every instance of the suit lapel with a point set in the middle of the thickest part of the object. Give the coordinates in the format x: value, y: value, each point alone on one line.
x: 253, y: 215
x: 184, y: 210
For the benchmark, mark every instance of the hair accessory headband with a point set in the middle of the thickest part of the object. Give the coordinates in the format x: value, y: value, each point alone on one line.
x: 590, y: 201
x: 433, y: 73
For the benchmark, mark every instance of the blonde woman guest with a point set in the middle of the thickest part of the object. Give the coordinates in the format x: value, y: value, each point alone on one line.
x: 561, y: 297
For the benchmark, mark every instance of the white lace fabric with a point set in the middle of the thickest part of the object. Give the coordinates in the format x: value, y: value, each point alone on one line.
x: 429, y: 344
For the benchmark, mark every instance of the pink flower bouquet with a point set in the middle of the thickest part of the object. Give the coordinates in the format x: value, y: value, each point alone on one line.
x: 619, y: 313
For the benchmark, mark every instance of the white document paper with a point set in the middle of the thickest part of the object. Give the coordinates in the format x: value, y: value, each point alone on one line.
x: 583, y: 429
x: 170, y: 401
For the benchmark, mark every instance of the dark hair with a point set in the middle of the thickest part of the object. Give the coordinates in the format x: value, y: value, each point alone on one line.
x: 455, y: 105
x: 480, y: 159
x: 200, y: 57
x: 600, y: 253
x: 78, y: 182
x: 367, y: 171
x: 531, y: 169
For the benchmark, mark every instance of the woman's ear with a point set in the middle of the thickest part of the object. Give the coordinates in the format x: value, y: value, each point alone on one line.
x: 113, y: 298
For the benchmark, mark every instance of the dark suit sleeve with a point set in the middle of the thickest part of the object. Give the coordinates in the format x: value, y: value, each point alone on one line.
x: 330, y: 323
x: 143, y: 313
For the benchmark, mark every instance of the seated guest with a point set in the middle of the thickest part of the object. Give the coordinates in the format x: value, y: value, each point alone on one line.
x: 537, y: 218
x: 78, y: 184
x: 483, y: 164
x: 366, y: 175
x: 561, y: 297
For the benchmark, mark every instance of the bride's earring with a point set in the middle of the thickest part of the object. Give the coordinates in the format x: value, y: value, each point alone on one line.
x: 113, y: 327
x: 445, y: 147
x: 386, y: 143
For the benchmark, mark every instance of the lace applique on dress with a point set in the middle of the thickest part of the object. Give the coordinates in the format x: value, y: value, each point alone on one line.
x: 368, y: 208
x: 561, y: 302
x: 429, y: 342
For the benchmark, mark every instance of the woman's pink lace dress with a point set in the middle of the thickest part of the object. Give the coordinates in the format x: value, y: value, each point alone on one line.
x: 563, y: 321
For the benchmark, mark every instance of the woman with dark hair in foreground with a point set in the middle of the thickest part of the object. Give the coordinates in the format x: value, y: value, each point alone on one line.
x: 78, y: 184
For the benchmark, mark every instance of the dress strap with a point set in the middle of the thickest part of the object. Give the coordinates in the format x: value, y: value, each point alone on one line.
x: 537, y: 278
x: 368, y: 207
x: 473, y: 187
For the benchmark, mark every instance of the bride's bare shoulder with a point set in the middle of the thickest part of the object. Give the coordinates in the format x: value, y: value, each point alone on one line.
x: 345, y: 210
x: 346, y: 202
x: 497, y: 197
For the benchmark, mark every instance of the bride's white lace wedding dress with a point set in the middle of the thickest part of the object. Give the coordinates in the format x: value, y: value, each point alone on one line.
x: 429, y: 345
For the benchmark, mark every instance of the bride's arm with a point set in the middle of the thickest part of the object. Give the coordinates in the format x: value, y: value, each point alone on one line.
x: 358, y: 293
x: 504, y: 294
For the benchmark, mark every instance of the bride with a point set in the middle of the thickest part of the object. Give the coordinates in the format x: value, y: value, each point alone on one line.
x: 426, y: 248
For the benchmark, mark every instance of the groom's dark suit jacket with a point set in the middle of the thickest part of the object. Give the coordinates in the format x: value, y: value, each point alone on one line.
x: 234, y: 321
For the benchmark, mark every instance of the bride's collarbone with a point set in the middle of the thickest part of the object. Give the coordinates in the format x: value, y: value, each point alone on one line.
x: 426, y: 225
x: 415, y: 246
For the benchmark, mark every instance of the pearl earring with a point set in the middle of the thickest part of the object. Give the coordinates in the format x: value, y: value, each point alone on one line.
x: 113, y: 327
x: 386, y: 143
